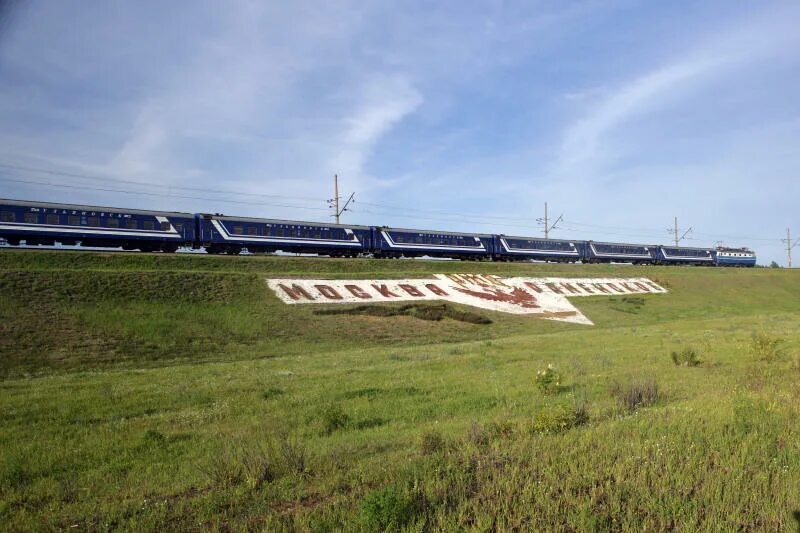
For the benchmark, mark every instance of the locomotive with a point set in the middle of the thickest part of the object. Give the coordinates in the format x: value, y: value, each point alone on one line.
x: 42, y: 223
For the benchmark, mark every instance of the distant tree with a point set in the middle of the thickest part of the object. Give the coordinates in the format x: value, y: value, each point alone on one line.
x: 774, y: 265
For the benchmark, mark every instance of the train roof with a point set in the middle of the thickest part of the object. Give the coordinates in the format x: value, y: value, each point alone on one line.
x: 280, y: 221
x: 538, y: 238
x: 624, y: 243
x: 436, y: 231
x: 673, y: 247
x: 80, y: 207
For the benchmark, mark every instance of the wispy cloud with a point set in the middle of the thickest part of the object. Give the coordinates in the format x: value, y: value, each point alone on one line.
x: 484, y: 109
x: 585, y: 142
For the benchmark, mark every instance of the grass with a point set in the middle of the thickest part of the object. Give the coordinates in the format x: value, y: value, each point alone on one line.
x: 155, y: 392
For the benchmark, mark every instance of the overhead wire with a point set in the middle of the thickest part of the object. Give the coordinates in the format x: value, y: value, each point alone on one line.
x: 157, y: 194
x: 393, y: 211
x: 150, y: 184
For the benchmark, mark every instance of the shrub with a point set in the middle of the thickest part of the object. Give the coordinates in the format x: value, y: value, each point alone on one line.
x: 291, y: 453
x: 548, y: 381
x: 431, y: 442
x: 387, y: 509
x: 333, y: 418
x: 686, y: 357
x: 638, y: 393
x: 558, y: 418
x: 766, y: 347
x: 477, y: 435
x: 500, y: 429
x: 153, y: 437
x: 255, y: 464
x: 271, y: 393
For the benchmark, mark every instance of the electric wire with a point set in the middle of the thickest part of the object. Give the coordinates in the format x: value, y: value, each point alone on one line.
x: 158, y: 195
x: 385, y: 209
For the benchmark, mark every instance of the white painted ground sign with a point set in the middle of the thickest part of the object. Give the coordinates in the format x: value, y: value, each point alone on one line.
x: 540, y: 297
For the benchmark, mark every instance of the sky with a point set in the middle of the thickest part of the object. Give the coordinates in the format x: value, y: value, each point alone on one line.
x: 467, y: 116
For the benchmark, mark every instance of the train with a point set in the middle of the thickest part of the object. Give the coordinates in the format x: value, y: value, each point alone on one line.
x: 45, y: 223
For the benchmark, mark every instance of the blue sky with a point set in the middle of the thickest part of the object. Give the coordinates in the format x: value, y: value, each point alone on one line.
x: 446, y: 115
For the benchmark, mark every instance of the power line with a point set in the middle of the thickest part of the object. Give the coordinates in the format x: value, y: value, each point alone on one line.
x: 452, y: 216
x: 149, y: 184
x: 157, y: 195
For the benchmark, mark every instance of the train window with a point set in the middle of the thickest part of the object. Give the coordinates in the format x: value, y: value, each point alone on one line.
x: 238, y: 230
x: 149, y: 224
x: 93, y: 221
x: 7, y: 216
x: 74, y: 220
x: 31, y: 218
x: 132, y: 223
x: 165, y: 226
x: 252, y: 230
x: 53, y: 219
x: 179, y: 227
x: 112, y: 222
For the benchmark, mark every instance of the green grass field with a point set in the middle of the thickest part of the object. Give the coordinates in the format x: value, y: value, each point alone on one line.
x: 176, y: 392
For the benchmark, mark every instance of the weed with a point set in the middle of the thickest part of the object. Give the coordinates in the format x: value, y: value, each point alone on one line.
x: 548, y: 381
x: 502, y: 429
x: 766, y: 347
x: 255, y: 465
x: 223, y: 469
x: 387, y: 509
x: 292, y: 453
x: 431, y: 442
x: 477, y: 435
x: 558, y: 418
x: 271, y: 393
x: 686, y: 357
x: 333, y: 418
x: 635, y: 394
x: 153, y: 438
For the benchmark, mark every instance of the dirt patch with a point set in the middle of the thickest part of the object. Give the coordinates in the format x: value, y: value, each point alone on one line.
x: 433, y: 312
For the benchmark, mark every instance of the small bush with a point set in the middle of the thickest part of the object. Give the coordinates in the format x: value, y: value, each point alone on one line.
x: 154, y: 437
x: 686, y: 357
x: 477, y: 435
x: 387, y: 509
x: 548, y: 381
x: 638, y: 393
x: 431, y: 442
x: 558, y: 418
x: 258, y: 465
x: 292, y: 454
x: 766, y: 347
x: 223, y: 469
x: 500, y: 429
x: 271, y: 393
x: 255, y: 464
x: 333, y: 419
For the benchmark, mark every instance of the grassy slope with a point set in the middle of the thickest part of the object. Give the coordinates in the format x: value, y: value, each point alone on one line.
x: 147, y: 391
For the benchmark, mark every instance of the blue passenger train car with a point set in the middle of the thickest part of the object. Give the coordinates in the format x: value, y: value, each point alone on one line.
x: 508, y: 248
x: 225, y: 234
x: 40, y: 223
x: 683, y: 255
x: 738, y: 257
x: 396, y: 242
x: 607, y: 252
